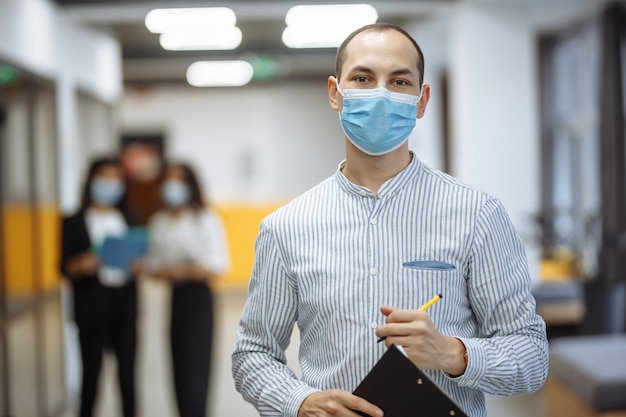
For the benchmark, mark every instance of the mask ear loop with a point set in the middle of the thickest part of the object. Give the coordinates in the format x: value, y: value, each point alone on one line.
x: 340, y: 93
x: 419, y: 98
x: 337, y: 85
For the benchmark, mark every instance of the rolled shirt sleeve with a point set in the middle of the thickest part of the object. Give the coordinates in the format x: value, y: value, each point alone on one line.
x: 510, y: 353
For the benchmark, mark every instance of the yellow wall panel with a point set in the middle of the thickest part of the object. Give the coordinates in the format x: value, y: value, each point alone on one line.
x: 50, y: 250
x: 20, y: 250
x: 242, y: 225
x: 18, y: 253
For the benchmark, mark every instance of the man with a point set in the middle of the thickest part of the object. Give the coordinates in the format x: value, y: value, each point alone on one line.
x: 354, y: 258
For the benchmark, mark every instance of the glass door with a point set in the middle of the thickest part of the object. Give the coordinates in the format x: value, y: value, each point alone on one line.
x: 31, y: 355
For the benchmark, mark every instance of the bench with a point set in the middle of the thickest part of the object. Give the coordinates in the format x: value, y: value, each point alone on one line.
x: 587, y: 377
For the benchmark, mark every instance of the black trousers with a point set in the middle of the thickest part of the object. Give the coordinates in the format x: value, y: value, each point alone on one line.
x: 112, y: 325
x: 191, y: 341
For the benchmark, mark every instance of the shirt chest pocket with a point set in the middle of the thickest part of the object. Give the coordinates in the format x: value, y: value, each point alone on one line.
x: 429, y: 265
x: 419, y: 281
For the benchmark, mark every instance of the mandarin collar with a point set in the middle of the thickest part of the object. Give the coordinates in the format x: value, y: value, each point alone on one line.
x: 388, y: 188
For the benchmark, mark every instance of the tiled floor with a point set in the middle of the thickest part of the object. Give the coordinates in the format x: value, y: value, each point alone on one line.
x: 154, y: 382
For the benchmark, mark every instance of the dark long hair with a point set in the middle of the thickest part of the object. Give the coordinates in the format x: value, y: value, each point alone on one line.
x: 196, y: 199
x: 94, y: 167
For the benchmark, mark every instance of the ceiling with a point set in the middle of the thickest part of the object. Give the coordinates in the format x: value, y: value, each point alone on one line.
x: 261, y: 23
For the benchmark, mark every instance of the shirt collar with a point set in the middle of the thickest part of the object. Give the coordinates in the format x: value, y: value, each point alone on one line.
x: 388, y: 188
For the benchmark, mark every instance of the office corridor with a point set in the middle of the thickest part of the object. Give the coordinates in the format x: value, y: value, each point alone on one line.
x: 154, y: 383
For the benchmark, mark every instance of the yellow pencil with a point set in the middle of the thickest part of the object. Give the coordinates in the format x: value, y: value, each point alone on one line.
x: 431, y: 302
x: 424, y: 307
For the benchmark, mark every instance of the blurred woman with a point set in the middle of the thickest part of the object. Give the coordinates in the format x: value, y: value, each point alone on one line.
x: 188, y: 249
x: 104, y: 298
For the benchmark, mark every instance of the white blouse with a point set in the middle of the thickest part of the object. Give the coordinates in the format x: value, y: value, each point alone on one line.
x: 192, y: 236
x: 100, y: 225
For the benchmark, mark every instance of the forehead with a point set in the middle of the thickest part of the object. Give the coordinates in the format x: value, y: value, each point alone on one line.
x: 383, y: 50
x: 108, y: 170
x: 175, y: 171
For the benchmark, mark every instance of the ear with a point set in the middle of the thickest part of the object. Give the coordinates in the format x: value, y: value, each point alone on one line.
x: 421, y: 106
x: 333, y: 93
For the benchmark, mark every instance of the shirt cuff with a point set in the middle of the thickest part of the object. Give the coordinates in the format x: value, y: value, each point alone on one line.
x: 296, y: 398
x: 476, y: 364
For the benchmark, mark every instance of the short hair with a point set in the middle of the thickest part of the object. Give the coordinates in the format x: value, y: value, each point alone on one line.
x: 378, y: 27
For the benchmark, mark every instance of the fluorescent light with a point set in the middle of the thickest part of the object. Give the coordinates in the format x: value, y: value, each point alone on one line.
x: 325, y: 26
x: 195, y: 29
x: 306, y: 38
x: 197, y: 40
x: 219, y: 73
x: 167, y: 20
x: 350, y: 14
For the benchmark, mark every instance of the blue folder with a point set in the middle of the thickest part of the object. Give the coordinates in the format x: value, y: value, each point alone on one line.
x: 121, y: 251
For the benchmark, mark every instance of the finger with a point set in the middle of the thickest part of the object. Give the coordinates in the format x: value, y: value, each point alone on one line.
x: 393, y: 330
x: 356, y: 403
x: 395, y: 314
x: 406, y: 316
x: 386, y: 310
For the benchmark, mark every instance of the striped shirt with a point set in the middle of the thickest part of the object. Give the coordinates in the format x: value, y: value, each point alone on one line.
x: 330, y: 258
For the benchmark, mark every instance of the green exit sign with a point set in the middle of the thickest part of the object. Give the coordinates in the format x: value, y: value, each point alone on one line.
x: 8, y: 74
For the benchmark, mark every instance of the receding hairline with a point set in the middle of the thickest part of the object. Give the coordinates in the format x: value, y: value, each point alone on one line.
x: 377, y: 27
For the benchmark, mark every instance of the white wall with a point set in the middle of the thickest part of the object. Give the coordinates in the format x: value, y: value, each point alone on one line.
x: 426, y: 138
x: 36, y: 38
x: 495, y: 132
x: 252, y: 144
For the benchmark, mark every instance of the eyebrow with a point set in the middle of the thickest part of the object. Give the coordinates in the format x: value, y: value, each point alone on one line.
x: 403, y: 71
x: 367, y: 70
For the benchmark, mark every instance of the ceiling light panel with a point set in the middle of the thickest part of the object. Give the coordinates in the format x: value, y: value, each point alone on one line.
x: 168, y: 20
x: 325, y: 26
x: 201, y: 40
x: 195, y: 29
x: 219, y: 73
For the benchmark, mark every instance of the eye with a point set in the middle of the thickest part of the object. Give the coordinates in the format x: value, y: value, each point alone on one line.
x: 361, y: 79
x: 401, y: 83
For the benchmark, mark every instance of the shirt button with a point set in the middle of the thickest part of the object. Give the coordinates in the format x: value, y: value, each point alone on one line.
x: 373, y: 271
x: 373, y: 221
x: 373, y: 325
x: 363, y: 193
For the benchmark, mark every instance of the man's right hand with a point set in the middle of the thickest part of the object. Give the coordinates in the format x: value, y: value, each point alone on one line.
x: 336, y: 403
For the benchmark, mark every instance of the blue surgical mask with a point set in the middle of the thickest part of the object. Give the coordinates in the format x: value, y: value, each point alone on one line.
x: 377, y: 121
x: 175, y: 193
x: 106, y: 192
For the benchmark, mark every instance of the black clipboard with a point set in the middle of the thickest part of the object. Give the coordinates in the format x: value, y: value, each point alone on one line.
x: 401, y: 389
